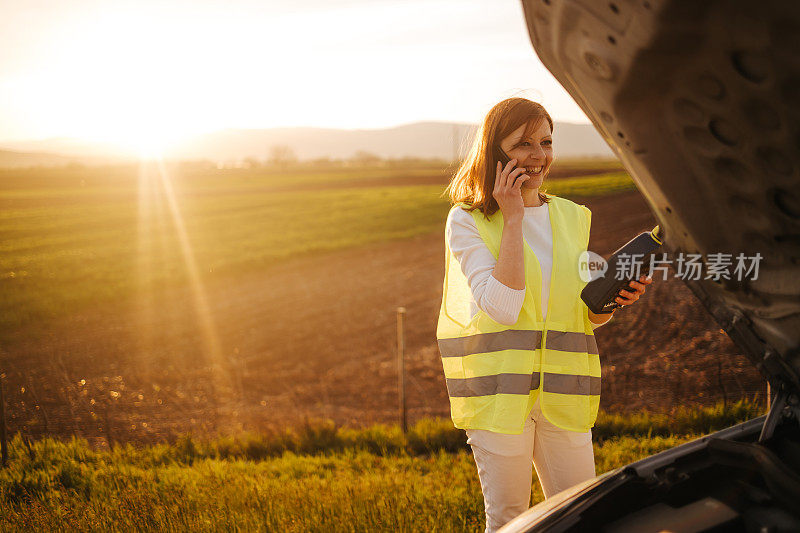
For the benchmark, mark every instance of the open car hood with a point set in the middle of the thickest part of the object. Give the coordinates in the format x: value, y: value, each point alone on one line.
x: 701, y: 102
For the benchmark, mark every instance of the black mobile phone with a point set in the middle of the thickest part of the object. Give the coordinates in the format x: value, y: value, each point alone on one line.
x: 500, y: 155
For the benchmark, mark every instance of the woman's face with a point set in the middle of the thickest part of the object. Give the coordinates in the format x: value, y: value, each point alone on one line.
x: 535, y: 153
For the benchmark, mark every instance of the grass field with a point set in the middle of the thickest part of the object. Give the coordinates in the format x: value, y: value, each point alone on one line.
x: 71, y: 238
x: 317, y: 478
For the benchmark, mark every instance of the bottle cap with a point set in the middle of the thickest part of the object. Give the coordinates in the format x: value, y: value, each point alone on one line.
x: 656, y: 234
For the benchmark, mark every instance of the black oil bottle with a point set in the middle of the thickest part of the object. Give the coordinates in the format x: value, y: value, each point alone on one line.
x: 599, y: 294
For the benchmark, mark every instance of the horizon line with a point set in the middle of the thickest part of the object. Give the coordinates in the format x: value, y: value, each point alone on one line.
x: 224, y: 129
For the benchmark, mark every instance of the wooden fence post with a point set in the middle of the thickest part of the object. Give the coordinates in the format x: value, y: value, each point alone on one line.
x: 401, y: 382
x: 3, y: 436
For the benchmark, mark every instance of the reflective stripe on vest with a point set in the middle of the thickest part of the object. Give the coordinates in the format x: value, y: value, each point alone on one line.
x: 522, y: 384
x: 496, y: 384
x: 570, y: 341
x: 495, y: 372
x: 565, y: 341
x: 490, y: 342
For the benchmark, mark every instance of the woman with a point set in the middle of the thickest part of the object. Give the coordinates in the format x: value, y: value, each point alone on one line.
x: 517, y: 343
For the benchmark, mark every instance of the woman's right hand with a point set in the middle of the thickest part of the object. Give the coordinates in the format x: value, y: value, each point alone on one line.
x: 507, y: 190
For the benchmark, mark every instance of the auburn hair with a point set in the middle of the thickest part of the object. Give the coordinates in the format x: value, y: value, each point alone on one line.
x: 473, y: 182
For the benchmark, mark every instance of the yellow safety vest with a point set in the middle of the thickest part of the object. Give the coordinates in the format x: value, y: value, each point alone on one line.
x: 495, y: 372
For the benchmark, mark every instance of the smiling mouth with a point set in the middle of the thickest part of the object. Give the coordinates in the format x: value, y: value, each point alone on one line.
x: 534, y: 171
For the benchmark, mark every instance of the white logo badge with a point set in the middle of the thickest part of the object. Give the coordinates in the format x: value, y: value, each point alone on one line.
x: 591, y: 266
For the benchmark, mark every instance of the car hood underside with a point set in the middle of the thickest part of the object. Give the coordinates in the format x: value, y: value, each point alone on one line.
x: 727, y: 481
x: 701, y: 102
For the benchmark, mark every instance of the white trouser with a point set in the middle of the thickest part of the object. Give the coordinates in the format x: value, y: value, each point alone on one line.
x: 562, y: 459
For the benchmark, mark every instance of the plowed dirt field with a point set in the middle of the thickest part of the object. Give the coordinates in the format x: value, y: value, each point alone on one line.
x: 315, y: 336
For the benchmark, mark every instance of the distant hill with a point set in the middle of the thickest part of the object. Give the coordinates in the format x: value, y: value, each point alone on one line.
x: 441, y: 140
x: 9, y: 159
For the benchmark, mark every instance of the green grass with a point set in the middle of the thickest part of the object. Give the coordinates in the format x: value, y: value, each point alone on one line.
x: 344, y: 491
x: 350, y: 491
x: 315, y: 478
x: 592, y: 163
x: 71, y: 239
x: 682, y: 421
x: 588, y: 186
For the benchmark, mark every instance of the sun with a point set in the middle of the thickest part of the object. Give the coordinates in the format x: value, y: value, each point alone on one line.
x: 147, y: 141
x: 149, y: 144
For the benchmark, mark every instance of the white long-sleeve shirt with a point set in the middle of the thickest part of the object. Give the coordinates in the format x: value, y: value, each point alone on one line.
x: 502, y: 303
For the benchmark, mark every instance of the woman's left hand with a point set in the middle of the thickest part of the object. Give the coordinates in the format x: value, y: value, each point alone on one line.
x: 627, y: 297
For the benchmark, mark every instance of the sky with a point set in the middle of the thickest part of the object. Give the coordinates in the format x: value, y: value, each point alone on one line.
x: 122, y: 71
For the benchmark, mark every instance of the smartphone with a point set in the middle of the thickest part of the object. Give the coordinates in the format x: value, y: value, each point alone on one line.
x: 500, y: 155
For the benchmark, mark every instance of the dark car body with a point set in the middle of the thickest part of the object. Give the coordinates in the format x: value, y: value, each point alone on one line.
x: 700, y: 100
